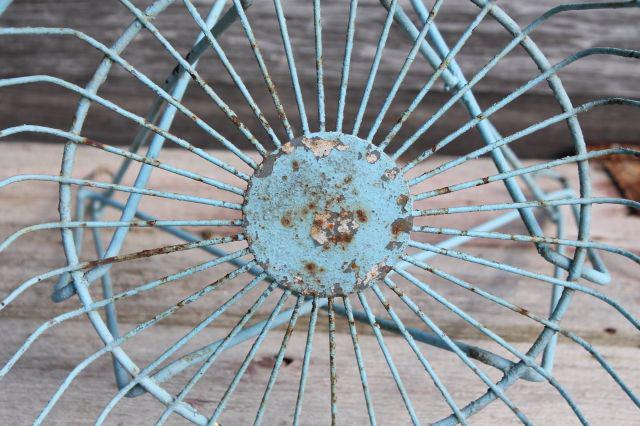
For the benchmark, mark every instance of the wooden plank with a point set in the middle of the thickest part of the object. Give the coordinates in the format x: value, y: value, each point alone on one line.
x: 27, y: 388
x: 625, y: 174
x: 563, y: 35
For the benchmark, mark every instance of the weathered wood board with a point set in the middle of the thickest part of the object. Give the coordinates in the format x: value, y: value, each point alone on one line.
x: 34, y: 379
x: 565, y: 34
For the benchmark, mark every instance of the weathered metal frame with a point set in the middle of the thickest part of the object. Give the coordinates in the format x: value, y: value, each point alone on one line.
x: 74, y: 279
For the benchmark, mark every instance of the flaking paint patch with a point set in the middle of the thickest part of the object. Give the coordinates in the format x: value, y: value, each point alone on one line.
x: 372, y: 157
x: 288, y: 148
x: 390, y: 174
x: 331, y: 227
x: 322, y: 147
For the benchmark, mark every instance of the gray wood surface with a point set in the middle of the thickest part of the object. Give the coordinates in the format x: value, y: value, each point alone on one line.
x: 34, y: 379
x: 563, y: 35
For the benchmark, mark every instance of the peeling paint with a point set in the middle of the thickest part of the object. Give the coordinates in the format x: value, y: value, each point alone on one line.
x: 327, y: 215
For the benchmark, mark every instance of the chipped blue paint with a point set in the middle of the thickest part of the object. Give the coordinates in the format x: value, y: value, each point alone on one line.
x: 327, y: 214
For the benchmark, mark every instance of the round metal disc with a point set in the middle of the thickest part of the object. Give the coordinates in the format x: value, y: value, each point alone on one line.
x: 327, y: 214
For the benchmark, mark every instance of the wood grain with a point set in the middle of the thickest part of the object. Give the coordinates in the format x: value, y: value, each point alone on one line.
x: 34, y: 379
x: 563, y: 35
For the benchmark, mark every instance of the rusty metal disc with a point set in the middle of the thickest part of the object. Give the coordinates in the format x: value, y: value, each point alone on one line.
x: 327, y: 214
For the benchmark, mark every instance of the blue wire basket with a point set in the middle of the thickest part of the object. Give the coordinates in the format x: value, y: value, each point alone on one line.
x: 319, y: 213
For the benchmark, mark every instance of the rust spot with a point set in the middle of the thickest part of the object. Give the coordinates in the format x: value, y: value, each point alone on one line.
x: 362, y: 216
x: 610, y: 330
x: 287, y: 220
x: 295, y: 166
x: 341, y: 238
x: 332, y: 227
x: 311, y: 267
x: 522, y: 311
x: 402, y: 200
x: 207, y: 234
x: 93, y: 143
x: 390, y: 174
x: 401, y: 225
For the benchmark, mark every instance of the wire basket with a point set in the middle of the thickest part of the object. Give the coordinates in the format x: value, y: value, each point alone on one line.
x: 335, y: 203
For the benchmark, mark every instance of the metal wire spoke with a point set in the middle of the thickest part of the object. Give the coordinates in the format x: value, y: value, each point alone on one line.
x: 373, y: 71
x: 358, y: 354
x: 499, y: 340
x: 544, y: 321
x: 527, y: 238
x: 387, y: 356
x: 333, y: 377
x: 106, y: 261
x: 119, y: 296
x: 501, y: 142
x: 526, y: 171
x: 404, y: 70
x: 293, y: 72
x: 121, y: 188
x: 232, y: 72
x: 233, y: 117
x: 143, y: 376
x: 527, y: 204
x: 114, y: 224
x: 455, y: 348
x: 317, y: 26
x: 278, y: 362
x: 567, y: 284
x: 346, y: 64
x: 306, y: 360
x: 425, y: 363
